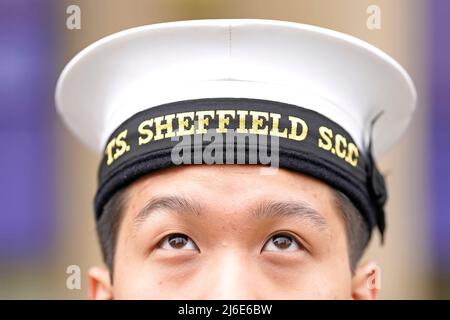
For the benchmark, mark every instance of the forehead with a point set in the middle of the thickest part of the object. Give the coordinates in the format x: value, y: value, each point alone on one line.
x: 237, y: 186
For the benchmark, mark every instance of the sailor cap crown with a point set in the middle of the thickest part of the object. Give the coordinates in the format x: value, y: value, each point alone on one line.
x: 272, y: 67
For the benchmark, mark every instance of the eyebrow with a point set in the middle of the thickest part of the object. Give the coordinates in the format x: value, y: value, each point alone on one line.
x: 174, y: 204
x: 299, y: 209
x: 264, y: 209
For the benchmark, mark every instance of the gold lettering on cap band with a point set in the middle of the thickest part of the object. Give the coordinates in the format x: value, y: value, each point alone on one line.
x: 338, y: 145
x: 116, y: 147
x: 259, y: 123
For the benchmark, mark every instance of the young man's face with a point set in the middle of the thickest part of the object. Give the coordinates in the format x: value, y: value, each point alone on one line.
x: 229, y: 232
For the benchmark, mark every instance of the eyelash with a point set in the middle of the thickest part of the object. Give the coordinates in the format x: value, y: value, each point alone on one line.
x: 285, y: 234
x: 165, y: 243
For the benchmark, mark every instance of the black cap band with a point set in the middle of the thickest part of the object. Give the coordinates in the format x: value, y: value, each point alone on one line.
x: 241, y: 130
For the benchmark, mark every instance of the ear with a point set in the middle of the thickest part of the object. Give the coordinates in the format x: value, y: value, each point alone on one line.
x: 100, y: 287
x: 366, y: 282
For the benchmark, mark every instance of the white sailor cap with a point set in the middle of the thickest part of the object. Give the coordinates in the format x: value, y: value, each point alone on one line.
x: 116, y: 91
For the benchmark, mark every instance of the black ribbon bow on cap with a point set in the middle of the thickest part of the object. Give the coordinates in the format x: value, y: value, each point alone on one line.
x: 376, y: 183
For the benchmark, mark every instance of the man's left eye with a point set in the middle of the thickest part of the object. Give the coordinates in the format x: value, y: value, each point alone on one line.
x: 281, y: 242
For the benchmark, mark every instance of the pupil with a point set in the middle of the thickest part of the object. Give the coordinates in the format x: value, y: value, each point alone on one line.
x: 177, y: 241
x: 282, y: 242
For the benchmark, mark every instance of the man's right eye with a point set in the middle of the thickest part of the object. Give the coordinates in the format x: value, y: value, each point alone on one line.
x: 177, y: 241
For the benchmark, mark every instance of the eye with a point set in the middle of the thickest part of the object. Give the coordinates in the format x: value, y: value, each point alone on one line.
x: 177, y: 241
x: 281, y: 242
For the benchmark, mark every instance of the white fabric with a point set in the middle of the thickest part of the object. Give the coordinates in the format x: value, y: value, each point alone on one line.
x: 337, y: 75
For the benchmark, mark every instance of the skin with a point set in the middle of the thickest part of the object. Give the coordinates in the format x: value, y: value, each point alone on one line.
x: 241, y: 235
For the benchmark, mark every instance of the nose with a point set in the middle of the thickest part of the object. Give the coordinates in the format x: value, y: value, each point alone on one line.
x: 231, y: 277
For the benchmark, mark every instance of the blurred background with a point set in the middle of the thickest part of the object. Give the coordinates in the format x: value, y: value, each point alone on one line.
x: 48, y: 179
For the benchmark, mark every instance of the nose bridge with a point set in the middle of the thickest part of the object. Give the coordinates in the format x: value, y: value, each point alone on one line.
x: 230, y: 277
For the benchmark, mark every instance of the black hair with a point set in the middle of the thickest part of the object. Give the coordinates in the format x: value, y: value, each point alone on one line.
x: 358, y: 233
